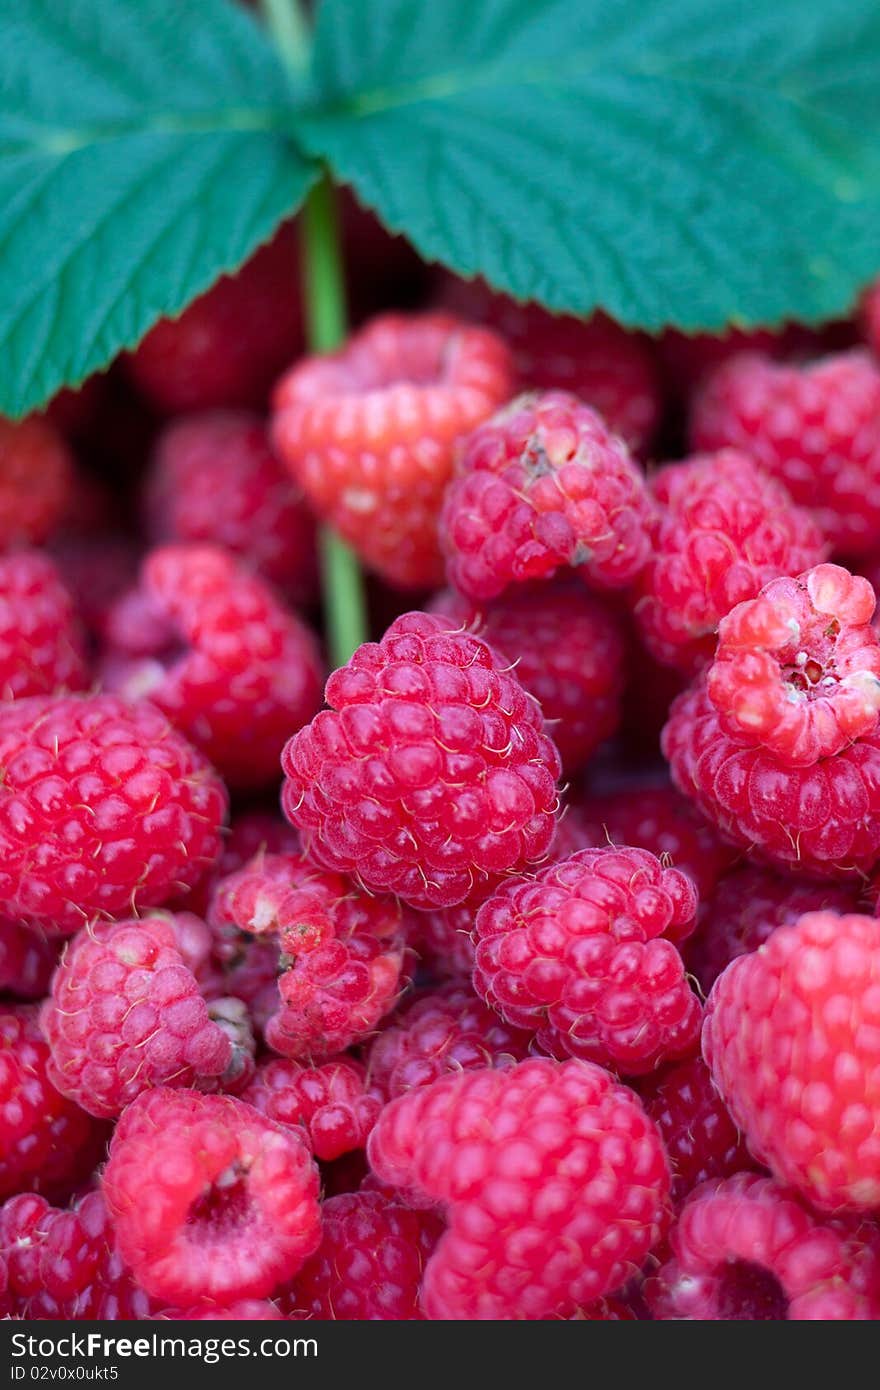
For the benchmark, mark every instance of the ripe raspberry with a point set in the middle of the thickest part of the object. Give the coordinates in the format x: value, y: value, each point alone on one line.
x: 41, y: 644
x: 27, y: 959
x: 723, y: 531
x: 747, y: 1249
x: 568, y: 651
x: 244, y: 1310
x: 700, y: 1138
x: 370, y: 432
x: 430, y: 772
x: 210, y: 1199
x: 48, y: 1143
x: 543, y: 485
x: 215, y: 480
x: 369, y: 1265
x: 36, y: 479
x: 104, y: 808
x: 554, y: 1181
x: 442, y: 940
x: 816, y: 428
x: 216, y: 651
x: 250, y: 832
x: 333, y: 1102
x: 449, y: 1030
x: 227, y: 347
x: 791, y: 1037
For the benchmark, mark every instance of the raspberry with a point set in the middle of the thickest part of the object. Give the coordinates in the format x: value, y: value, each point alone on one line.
x: 816, y: 428
x: 723, y: 531
x: 41, y: 645
x: 747, y: 1249
x: 700, y: 1138
x: 215, y: 480
x: 747, y: 906
x: 449, y: 1030
x: 27, y: 960
x: 126, y: 1014
x: 442, y: 940
x: 429, y: 773
x: 568, y: 652
x: 104, y: 809
x: 540, y: 486
x: 250, y: 832
x: 370, y: 1262
x: 212, y: 647
x: 583, y: 956
x: 333, y: 1102
x: 370, y: 432
x: 210, y: 1199
x: 341, y: 952
x: 791, y: 1038
x: 227, y: 347
x: 36, y: 478
x: 48, y: 1143
x: 554, y: 1181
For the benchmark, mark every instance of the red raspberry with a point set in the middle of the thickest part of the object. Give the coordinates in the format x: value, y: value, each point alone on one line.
x: 27, y: 959
x: 747, y: 1249
x: 370, y: 432
x: 699, y: 1136
x: 554, y: 1180
x: 333, y: 1102
x: 583, y: 956
x: 215, y: 480
x: 568, y: 651
x: 210, y: 1199
x: 41, y: 644
x: 791, y: 1037
x: 540, y: 486
x: 250, y: 832
x: 724, y: 530
x: 227, y: 347
x: 816, y: 428
x: 126, y: 1013
x: 449, y: 1030
x: 429, y: 773
x: 370, y: 1262
x: 443, y: 943
x: 216, y: 651
x: 36, y: 479
x: 48, y: 1143
x: 244, y: 1310
x: 104, y: 808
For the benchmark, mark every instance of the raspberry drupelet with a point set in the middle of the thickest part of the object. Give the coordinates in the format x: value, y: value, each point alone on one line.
x: 334, y: 1102
x: 585, y: 956
x: 791, y: 1039
x: 210, y: 1200
x: 36, y: 480
x: 747, y: 1249
x: 542, y: 486
x: 430, y: 773
x: 370, y: 432
x: 554, y: 1183
x: 699, y: 1136
x: 779, y: 744
x: 104, y: 809
x: 724, y: 529
x: 42, y: 647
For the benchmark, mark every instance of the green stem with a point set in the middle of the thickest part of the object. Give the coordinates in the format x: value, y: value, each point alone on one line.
x: 290, y: 29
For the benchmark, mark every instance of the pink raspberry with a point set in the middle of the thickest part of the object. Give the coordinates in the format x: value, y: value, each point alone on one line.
x: 724, y: 530
x: 41, y: 643
x: 448, y: 1030
x: 747, y: 1249
x: 370, y: 1263
x: 816, y: 428
x: 250, y: 832
x: 430, y: 773
x: 27, y: 959
x: 543, y: 485
x: 216, y: 481
x: 700, y: 1138
x: 104, y: 809
x: 553, y: 1179
x: 584, y: 956
x: 48, y: 1143
x: 332, y: 1101
x: 791, y: 1037
x: 370, y: 432
x: 210, y: 1199
x: 568, y: 651
x: 211, y: 646
x: 36, y: 479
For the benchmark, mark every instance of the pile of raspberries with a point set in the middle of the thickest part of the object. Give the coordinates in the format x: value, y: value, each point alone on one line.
x: 527, y: 965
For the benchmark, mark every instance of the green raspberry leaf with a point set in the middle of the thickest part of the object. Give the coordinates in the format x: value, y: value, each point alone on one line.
x: 689, y: 162
x: 143, y: 151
